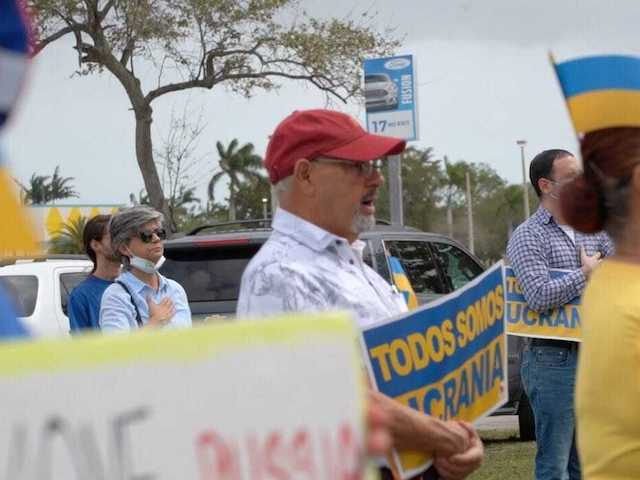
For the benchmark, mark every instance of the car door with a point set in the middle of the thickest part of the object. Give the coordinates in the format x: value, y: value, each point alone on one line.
x: 66, y: 279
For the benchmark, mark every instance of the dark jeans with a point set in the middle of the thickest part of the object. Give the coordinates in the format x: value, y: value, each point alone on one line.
x: 548, y: 375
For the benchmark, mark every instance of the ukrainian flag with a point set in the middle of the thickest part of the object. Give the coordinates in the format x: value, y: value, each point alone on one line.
x: 601, y: 91
x: 402, y: 283
x: 18, y: 236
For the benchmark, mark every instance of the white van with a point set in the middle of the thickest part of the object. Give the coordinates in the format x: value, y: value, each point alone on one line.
x: 41, y: 288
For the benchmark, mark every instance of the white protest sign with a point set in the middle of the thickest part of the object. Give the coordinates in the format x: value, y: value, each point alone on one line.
x: 266, y: 400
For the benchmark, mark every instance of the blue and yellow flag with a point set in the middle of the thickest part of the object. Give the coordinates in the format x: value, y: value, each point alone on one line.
x: 18, y: 237
x: 402, y: 283
x: 601, y: 91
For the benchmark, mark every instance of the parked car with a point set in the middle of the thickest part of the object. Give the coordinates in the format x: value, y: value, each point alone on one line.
x: 41, y: 288
x: 209, y: 262
x: 380, y: 92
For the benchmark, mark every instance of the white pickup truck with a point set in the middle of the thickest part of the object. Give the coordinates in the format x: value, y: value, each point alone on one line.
x: 41, y: 288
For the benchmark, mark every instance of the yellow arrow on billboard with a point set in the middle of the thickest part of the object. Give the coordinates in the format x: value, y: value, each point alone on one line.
x: 54, y: 222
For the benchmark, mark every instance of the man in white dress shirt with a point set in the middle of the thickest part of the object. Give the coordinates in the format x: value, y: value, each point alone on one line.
x: 326, y: 172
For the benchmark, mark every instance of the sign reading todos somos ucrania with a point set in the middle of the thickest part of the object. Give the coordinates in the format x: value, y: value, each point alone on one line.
x: 390, y: 96
x: 446, y: 359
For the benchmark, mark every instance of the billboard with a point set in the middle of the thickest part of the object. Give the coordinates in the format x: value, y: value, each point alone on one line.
x: 390, y: 96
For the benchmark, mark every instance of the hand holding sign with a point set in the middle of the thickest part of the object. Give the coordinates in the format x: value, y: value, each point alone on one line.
x: 461, y: 465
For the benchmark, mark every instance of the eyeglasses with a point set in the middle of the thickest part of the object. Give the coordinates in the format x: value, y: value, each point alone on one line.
x: 147, y: 235
x: 365, y: 169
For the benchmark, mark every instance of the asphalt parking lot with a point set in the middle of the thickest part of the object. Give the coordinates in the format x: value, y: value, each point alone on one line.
x: 501, y: 422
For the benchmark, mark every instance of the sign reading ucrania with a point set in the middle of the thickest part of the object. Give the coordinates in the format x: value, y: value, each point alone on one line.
x: 447, y: 359
x: 390, y: 96
x: 560, y: 323
x: 245, y: 400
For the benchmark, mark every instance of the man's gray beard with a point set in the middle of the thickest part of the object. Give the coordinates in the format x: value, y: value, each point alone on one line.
x: 362, y: 223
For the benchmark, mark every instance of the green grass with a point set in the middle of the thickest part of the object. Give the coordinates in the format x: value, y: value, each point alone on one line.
x: 505, y: 456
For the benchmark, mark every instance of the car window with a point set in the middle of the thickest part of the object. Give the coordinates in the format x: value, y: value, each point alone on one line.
x: 458, y: 267
x: 69, y: 281
x: 419, y: 265
x: 376, y: 78
x: 366, y: 255
x: 209, y: 275
x: 24, y: 290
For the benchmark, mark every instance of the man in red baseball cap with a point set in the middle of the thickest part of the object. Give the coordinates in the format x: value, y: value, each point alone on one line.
x: 326, y: 170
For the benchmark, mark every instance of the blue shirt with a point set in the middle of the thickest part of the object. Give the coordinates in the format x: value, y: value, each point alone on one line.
x: 539, y: 244
x: 10, y: 326
x: 117, y: 313
x: 84, y: 304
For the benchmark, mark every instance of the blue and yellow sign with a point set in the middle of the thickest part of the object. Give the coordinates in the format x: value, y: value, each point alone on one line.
x: 561, y: 323
x: 446, y: 359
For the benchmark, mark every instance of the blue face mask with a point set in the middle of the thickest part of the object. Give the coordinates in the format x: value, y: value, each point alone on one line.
x: 146, y: 266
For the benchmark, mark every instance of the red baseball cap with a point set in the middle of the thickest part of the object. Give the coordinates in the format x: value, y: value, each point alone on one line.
x: 313, y: 133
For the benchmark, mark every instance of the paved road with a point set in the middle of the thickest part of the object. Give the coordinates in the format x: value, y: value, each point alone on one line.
x: 502, y: 422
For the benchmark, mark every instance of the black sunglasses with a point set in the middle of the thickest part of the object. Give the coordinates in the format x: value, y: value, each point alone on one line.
x: 147, y: 236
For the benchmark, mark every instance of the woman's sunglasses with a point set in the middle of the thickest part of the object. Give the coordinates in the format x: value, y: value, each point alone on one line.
x: 147, y: 236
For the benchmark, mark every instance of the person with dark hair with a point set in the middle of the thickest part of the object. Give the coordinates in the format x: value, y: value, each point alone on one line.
x: 141, y: 297
x: 84, y: 301
x: 607, y: 196
x: 546, y: 241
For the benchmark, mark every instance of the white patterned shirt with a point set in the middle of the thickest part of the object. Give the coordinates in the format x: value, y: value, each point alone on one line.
x: 303, y: 268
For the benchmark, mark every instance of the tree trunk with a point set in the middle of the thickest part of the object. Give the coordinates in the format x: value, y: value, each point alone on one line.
x: 144, y: 155
x: 232, y: 203
x: 450, y: 221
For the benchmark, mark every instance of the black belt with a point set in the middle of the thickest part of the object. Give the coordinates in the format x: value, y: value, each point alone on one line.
x: 552, y: 342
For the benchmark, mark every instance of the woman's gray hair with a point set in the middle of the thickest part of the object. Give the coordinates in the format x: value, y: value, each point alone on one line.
x: 126, y: 224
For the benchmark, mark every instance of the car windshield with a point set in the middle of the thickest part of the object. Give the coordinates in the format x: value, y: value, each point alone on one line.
x: 375, y: 78
x: 209, y: 275
x: 23, y: 289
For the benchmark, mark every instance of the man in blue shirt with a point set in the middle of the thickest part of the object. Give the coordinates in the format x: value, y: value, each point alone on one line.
x: 84, y: 301
x: 140, y: 296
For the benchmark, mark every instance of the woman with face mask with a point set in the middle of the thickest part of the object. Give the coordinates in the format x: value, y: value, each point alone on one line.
x: 141, y: 297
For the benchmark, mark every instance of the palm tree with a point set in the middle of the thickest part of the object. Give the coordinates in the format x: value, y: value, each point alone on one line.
x: 69, y: 237
x: 59, y: 187
x: 38, y: 190
x: 44, y: 188
x: 238, y: 164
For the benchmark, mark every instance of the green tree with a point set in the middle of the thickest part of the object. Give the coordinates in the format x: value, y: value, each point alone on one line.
x: 60, y: 187
x: 422, y: 179
x: 242, y: 45
x: 37, y: 191
x: 249, y: 204
x: 69, y: 238
x: 43, y: 189
x: 238, y: 165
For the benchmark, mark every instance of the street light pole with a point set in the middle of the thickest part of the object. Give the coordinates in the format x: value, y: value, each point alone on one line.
x: 264, y: 207
x: 525, y: 188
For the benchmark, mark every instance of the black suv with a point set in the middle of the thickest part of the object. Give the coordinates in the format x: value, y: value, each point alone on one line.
x: 209, y: 262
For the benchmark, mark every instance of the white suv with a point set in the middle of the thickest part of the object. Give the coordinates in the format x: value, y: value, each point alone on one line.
x: 41, y: 288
